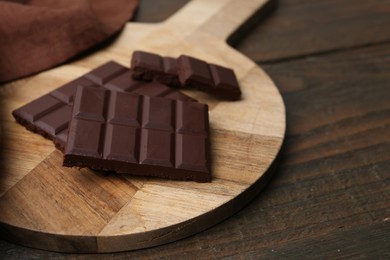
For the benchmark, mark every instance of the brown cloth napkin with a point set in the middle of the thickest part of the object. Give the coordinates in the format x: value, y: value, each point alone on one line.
x: 38, y: 34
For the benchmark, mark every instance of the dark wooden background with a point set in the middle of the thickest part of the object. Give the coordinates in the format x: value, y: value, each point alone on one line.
x: 330, y: 196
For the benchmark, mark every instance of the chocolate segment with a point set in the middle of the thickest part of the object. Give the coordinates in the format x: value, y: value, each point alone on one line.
x: 187, y: 72
x: 149, y: 66
x: 140, y: 135
x: 50, y: 114
x: 225, y: 82
x: 214, y: 79
x: 194, y: 73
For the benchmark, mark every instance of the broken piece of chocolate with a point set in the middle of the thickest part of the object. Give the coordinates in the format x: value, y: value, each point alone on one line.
x: 149, y: 66
x: 187, y: 72
x: 214, y: 79
x: 49, y: 115
x: 138, y: 134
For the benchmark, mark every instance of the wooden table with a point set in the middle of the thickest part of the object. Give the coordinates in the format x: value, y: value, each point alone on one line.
x: 330, y: 196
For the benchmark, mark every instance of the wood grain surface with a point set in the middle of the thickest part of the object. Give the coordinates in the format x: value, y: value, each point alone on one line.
x: 48, y: 206
x: 299, y: 28
x: 330, y: 197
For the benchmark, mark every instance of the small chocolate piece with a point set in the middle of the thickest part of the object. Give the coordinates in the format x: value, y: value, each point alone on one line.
x: 187, y: 72
x: 140, y: 135
x: 149, y: 66
x: 50, y: 114
x: 214, y: 79
x: 194, y: 73
x: 225, y: 82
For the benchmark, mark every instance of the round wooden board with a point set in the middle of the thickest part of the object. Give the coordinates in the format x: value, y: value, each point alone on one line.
x: 47, y: 206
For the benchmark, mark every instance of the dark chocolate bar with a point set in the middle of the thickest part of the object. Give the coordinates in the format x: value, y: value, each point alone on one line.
x: 49, y: 115
x: 149, y: 66
x: 187, y: 72
x: 138, y: 134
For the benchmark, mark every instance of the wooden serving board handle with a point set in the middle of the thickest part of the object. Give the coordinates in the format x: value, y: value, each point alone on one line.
x: 217, y: 18
x: 47, y: 206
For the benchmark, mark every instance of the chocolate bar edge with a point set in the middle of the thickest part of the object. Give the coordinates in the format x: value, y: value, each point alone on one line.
x: 71, y: 160
x: 60, y: 145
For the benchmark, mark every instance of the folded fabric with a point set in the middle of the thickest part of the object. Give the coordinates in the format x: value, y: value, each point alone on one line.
x: 38, y: 34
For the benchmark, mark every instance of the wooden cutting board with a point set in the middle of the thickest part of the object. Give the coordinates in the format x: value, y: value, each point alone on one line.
x: 47, y: 206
